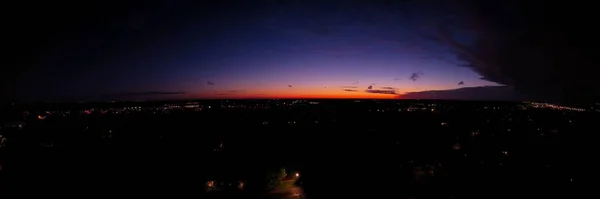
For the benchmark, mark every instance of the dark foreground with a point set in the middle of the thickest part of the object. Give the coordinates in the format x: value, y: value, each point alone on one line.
x: 342, y: 150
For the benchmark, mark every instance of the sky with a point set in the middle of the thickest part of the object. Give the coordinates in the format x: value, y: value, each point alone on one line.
x: 241, y: 49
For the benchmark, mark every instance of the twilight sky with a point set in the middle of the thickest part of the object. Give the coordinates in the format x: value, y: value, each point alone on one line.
x: 237, y: 49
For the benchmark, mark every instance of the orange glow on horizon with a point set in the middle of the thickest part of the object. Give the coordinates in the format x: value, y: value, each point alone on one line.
x: 302, y: 96
x: 303, y: 93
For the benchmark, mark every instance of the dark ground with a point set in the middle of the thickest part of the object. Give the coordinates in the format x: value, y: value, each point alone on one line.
x: 353, y: 151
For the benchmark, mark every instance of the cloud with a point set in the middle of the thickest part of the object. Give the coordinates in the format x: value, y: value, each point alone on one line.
x: 397, y: 79
x: 349, y: 87
x: 496, y: 41
x: 210, y: 83
x: 383, y: 90
x: 350, y: 90
x: 290, y: 86
x: 229, y: 92
x: 391, y: 92
x: 415, y: 76
x: 355, y: 82
x: 550, y: 63
x: 151, y: 93
x: 461, y: 83
x: 500, y: 93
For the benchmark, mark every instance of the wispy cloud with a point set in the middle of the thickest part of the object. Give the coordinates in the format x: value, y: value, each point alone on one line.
x: 383, y: 90
x: 386, y: 91
x: 416, y: 76
x: 229, y: 92
x: 468, y: 93
x: 350, y: 90
x: 151, y: 93
x: 210, y: 83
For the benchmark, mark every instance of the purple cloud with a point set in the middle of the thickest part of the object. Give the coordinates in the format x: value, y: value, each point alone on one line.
x: 502, y: 93
x: 390, y: 92
x: 415, y: 76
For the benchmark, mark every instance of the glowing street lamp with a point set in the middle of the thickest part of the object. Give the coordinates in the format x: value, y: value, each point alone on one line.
x: 297, y: 175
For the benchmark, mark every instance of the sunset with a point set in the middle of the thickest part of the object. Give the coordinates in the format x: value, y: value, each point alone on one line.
x: 297, y: 99
x: 288, y: 52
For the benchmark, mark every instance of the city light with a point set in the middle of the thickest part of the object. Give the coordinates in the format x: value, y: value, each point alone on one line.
x: 553, y: 106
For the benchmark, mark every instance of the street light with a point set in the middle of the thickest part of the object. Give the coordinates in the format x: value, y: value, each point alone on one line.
x: 297, y: 174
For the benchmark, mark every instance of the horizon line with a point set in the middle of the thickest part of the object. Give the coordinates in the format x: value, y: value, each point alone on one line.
x: 208, y: 99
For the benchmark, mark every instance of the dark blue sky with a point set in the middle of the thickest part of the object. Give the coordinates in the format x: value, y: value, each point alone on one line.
x: 248, y: 49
